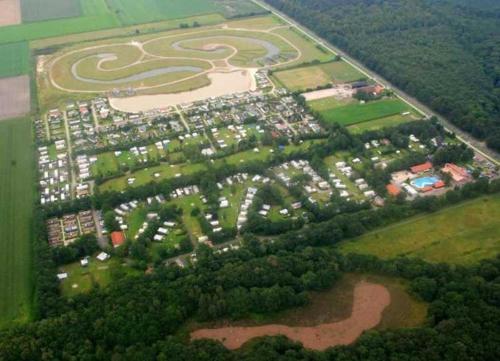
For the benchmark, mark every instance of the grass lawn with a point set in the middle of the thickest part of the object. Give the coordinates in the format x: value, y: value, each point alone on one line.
x: 310, y: 77
x: 357, y: 112
x: 17, y: 179
x: 14, y: 59
x: 462, y: 234
x: 188, y: 203
x: 147, y: 175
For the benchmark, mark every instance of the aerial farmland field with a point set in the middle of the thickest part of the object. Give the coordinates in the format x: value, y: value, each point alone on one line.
x: 17, y: 195
x: 15, y: 96
x: 38, y: 10
x: 11, y: 13
x: 14, y: 59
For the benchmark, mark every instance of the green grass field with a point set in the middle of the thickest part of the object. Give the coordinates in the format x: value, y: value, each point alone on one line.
x: 132, y: 12
x: 389, y: 121
x: 41, y: 10
x: 329, y: 103
x: 310, y: 77
x: 17, y: 180
x: 463, y: 234
x: 357, y: 113
x: 14, y: 59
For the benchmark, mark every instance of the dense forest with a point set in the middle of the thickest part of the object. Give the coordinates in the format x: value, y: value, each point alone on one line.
x: 446, y: 53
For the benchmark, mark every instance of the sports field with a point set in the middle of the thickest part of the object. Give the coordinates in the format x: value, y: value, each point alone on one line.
x: 17, y: 182
x: 14, y: 59
x: 463, y: 234
x: 41, y: 10
x: 357, y: 112
x: 310, y: 77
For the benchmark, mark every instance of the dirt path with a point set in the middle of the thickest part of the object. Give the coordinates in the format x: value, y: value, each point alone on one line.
x: 369, y: 302
x: 10, y: 12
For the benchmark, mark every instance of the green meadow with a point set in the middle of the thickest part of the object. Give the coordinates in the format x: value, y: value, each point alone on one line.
x: 462, y: 234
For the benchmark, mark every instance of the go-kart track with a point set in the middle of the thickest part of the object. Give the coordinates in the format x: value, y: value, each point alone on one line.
x: 172, y: 68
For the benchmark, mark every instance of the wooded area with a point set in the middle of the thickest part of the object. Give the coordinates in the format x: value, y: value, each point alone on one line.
x: 443, y: 52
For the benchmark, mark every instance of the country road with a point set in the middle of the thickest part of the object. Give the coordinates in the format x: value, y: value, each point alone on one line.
x: 478, y: 146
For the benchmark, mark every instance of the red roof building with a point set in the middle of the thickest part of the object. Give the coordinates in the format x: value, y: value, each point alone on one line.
x: 393, y: 189
x: 458, y: 174
x: 439, y: 184
x: 420, y: 168
x: 117, y: 238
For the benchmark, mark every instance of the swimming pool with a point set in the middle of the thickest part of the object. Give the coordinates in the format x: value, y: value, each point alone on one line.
x: 424, y: 182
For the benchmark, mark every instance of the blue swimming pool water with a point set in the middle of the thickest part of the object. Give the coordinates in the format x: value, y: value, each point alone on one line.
x: 424, y: 182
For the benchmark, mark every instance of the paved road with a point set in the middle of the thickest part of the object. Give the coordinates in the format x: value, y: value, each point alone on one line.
x: 478, y: 146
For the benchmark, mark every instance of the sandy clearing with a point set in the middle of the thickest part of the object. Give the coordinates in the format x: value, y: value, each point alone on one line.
x: 369, y: 302
x: 221, y: 83
x: 337, y: 92
x: 14, y: 96
x: 10, y: 12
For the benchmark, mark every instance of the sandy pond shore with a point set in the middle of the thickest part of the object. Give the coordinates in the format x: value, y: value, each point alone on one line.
x: 221, y: 83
